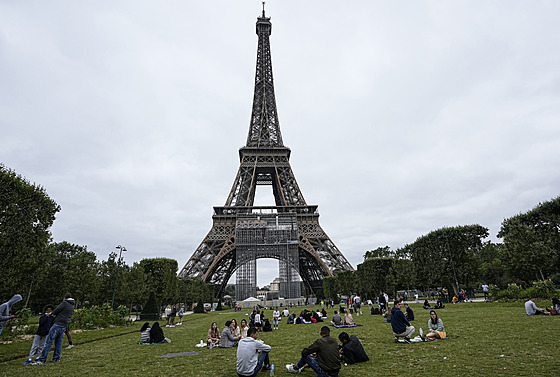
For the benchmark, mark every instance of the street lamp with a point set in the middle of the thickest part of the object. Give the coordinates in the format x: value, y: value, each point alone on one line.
x: 121, y: 248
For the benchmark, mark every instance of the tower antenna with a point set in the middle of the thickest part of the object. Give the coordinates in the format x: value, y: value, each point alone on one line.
x: 263, y: 8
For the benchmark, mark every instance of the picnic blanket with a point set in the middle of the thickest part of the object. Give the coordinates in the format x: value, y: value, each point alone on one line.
x: 150, y: 344
x: 175, y: 354
x: 344, y: 326
x: 418, y: 340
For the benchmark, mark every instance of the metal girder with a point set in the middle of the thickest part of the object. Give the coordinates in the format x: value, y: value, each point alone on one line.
x: 264, y: 161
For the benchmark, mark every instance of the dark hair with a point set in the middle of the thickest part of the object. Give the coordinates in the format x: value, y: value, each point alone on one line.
x: 235, y: 322
x: 325, y: 330
x: 228, y: 323
x: 145, y: 326
x: 396, y: 302
x: 155, y: 325
x: 335, y: 312
x: 52, y: 307
x: 343, y: 337
x: 434, y: 321
x: 68, y: 295
x: 251, y: 331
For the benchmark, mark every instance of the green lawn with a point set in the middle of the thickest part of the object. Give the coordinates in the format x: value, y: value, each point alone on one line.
x: 483, y: 339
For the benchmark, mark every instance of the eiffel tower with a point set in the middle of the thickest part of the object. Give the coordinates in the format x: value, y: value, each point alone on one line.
x: 288, y: 231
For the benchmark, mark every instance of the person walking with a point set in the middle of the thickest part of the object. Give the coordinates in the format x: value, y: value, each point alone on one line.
x: 63, y: 314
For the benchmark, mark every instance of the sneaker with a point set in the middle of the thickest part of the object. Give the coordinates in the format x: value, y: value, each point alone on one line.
x: 423, y: 337
x: 38, y: 363
x: 28, y: 361
x: 396, y: 339
x: 407, y: 339
x: 265, y: 368
x: 166, y: 325
x: 291, y: 368
x: 172, y: 326
x: 55, y: 361
x: 70, y: 346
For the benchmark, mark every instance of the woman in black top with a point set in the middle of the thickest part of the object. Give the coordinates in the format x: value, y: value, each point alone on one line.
x: 156, y: 334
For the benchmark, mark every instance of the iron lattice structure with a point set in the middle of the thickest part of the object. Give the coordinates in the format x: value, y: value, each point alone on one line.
x: 288, y: 231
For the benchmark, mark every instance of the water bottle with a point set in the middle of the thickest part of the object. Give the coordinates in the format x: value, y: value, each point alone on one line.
x: 272, y: 369
x: 421, y: 332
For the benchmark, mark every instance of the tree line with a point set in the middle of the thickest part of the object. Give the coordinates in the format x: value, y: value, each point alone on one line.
x: 42, y: 271
x: 460, y: 258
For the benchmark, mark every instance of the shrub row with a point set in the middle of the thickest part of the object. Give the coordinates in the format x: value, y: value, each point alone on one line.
x: 540, y: 289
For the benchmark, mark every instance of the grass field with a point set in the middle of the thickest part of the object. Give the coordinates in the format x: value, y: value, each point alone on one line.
x: 484, y: 339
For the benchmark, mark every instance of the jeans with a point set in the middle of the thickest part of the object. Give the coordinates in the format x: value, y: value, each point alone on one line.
x: 313, y: 364
x: 56, y: 335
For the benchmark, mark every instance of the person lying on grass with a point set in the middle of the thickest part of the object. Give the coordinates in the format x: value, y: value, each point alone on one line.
x: 435, y: 325
x: 327, y: 360
x: 351, y: 350
x: 213, y: 336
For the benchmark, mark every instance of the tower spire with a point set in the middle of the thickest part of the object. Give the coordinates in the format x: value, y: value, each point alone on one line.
x: 264, y: 127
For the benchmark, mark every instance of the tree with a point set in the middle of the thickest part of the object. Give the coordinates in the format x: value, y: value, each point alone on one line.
x: 452, y: 252
x: 26, y: 215
x: 161, y: 278
x: 380, y: 252
x: 532, y: 241
x: 373, y: 276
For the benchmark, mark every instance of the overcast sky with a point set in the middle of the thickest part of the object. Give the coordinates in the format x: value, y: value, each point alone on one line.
x: 402, y: 116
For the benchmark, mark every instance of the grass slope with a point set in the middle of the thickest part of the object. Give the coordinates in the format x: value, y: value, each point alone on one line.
x: 484, y: 339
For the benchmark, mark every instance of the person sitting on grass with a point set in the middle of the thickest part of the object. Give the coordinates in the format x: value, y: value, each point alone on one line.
x: 427, y: 305
x: 227, y: 340
x: 336, y: 319
x: 213, y: 336
x: 327, y: 360
x: 156, y: 334
x: 145, y: 333
x: 252, y: 354
x: 439, y: 304
x: 351, y: 350
x: 291, y: 319
x: 435, y: 325
x: 235, y: 329
x: 399, y: 323
x: 531, y: 308
x: 243, y: 329
x: 324, y: 313
x: 409, y: 313
x: 348, y: 320
x: 555, y: 309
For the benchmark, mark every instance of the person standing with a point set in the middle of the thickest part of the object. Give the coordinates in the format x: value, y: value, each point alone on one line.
x: 45, y: 323
x: 485, y: 291
x: 399, y: 323
x: 358, y: 305
x: 275, y: 318
x: 5, y: 310
x: 181, y: 314
x: 252, y: 354
x: 63, y: 313
x: 327, y: 360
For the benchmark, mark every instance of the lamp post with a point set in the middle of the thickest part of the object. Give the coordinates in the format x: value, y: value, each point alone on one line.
x: 121, y: 248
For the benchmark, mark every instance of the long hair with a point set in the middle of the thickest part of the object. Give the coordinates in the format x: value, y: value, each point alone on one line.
x: 214, y: 331
x: 555, y: 301
x: 434, y: 320
x: 155, y: 326
x: 145, y: 326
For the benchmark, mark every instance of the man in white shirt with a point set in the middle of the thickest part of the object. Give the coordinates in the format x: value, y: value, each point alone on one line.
x: 252, y: 354
x: 275, y: 318
x: 531, y: 308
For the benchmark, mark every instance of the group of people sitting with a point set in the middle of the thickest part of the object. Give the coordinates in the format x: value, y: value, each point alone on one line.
x: 307, y: 316
x: 324, y: 355
x: 152, y: 335
x: 337, y: 319
x: 532, y: 309
x: 400, y: 323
